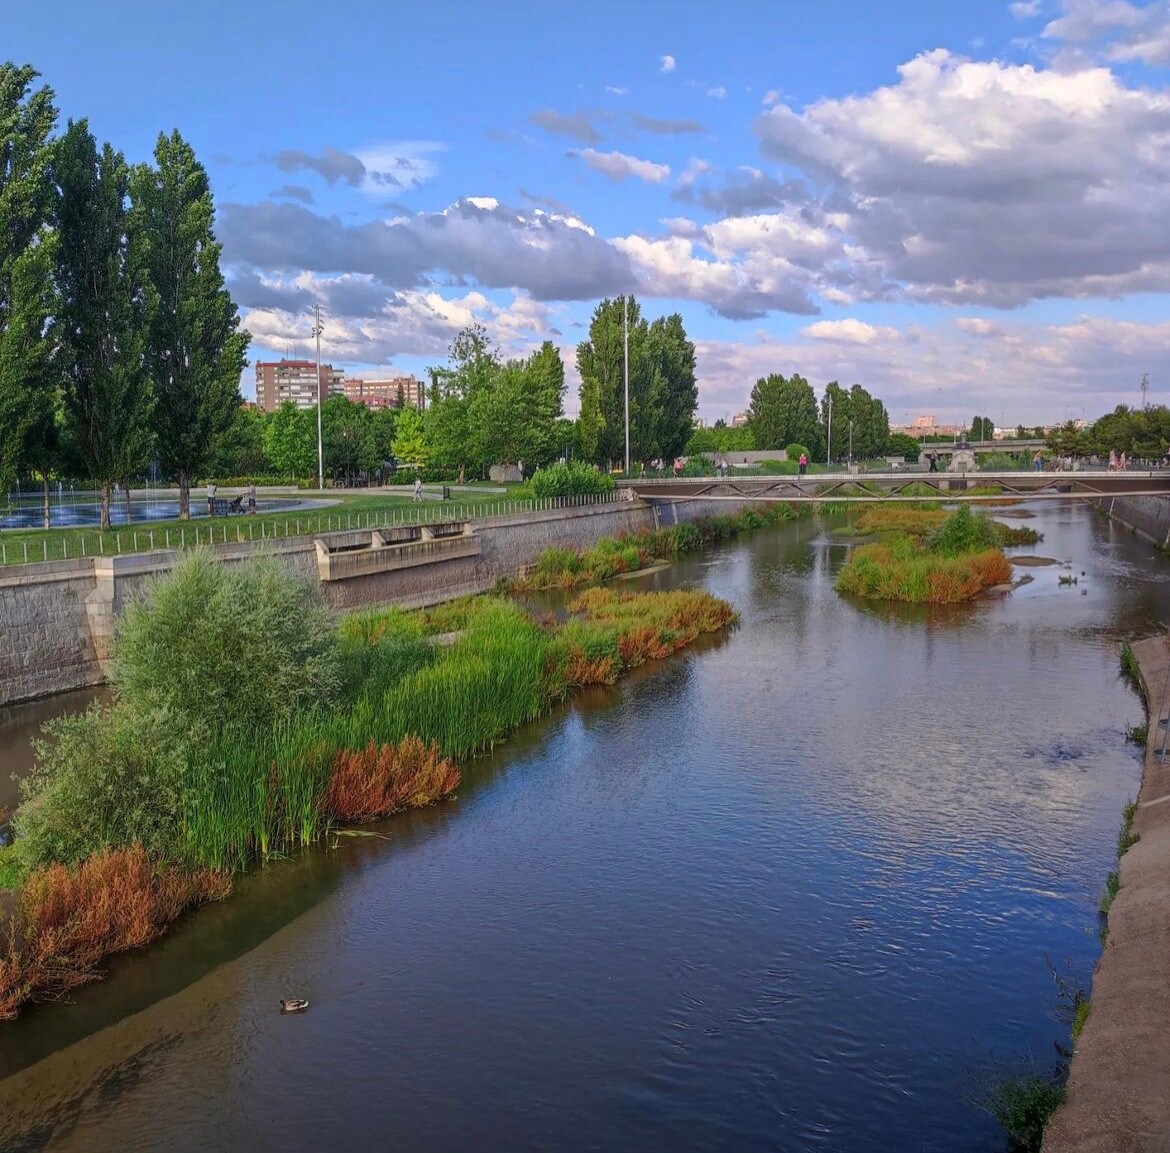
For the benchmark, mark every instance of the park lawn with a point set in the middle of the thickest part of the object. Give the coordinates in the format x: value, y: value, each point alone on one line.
x: 339, y: 510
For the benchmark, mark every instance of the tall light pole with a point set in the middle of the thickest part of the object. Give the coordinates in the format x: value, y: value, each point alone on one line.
x: 317, y: 328
x: 829, y: 434
x: 626, y: 369
x: 851, y: 441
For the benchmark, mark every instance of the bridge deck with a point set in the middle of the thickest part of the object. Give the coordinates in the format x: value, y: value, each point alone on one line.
x: 903, y: 486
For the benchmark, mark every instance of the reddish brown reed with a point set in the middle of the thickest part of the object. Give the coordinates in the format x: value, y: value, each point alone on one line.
x: 378, y: 780
x: 69, y: 918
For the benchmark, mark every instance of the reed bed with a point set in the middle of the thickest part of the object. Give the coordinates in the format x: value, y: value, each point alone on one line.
x: 566, y: 568
x: 899, y: 518
x: 954, y: 561
x: 69, y: 918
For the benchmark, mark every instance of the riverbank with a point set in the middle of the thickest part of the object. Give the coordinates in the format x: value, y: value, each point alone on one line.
x: 1118, y: 1098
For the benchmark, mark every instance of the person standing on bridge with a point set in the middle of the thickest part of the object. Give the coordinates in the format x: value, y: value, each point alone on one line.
x: 932, y: 457
x: 803, y: 463
x: 1038, y: 461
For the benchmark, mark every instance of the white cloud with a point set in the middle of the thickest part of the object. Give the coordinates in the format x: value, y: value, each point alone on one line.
x: 667, y: 63
x: 717, y: 93
x: 617, y: 91
x: 1015, y: 372
x: 619, y: 166
x: 1024, y: 9
x: 1115, y: 29
x: 991, y: 183
x: 848, y: 331
x: 400, y: 164
x: 771, y: 97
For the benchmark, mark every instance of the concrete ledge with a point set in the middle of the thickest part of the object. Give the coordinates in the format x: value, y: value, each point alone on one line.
x: 339, y: 566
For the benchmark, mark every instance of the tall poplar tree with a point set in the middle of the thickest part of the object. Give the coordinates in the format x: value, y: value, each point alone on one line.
x: 28, y: 393
x: 195, y: 350
x: 103, y: 312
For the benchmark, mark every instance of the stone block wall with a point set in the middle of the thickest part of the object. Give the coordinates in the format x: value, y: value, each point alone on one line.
x: 1148, y: 516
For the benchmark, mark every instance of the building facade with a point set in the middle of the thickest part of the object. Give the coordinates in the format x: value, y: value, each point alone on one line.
x: 386, y: 393
x: 294, y: 381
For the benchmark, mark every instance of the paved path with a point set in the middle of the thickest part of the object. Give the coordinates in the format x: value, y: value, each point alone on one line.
x: 1119, y: 1089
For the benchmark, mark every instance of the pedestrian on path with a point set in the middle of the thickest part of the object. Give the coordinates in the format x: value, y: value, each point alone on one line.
x: 211, y: 498
x: 418, y: 488
x: 803, y: 464
x: 1038, y: 461
x: 932, y: 457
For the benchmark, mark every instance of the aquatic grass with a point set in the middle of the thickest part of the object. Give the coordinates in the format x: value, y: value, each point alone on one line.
x: 70, y: 917
x: 378, y: 780
x: 891, y: 571
x: 11, y: 867
x: 898, y: 518
x: 1022, y: 1102
x: 1131, y: 672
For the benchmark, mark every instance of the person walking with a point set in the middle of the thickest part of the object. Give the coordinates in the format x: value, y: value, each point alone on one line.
x: 211, y: 498
x: 803, y: 464
x: 932, y: 458
x: 252, y: 498
x: 418, y: 488
x: 1122, y: 463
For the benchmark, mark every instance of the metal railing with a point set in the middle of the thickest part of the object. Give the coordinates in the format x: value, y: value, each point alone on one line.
x: 71, y: 544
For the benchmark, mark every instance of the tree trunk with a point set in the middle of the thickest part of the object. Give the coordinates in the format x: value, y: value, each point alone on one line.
x: 45, y: 499
x: 105, y: 524
x: 184, y: 494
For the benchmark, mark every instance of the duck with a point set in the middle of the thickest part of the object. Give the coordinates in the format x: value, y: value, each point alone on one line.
x: 294, y: 1005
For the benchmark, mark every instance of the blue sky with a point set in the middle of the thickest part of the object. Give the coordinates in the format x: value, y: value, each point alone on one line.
x: 960, y: 206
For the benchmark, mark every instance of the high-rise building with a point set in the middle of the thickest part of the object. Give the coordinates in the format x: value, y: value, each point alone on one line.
x: 386, y: 393
x: 280, y: 381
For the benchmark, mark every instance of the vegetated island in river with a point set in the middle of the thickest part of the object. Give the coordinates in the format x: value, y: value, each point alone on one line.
x: 246, y: 723
x: 927, y: 556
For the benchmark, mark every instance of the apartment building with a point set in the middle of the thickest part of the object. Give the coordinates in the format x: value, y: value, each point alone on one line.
x: 280, y: 381
x: 387, y: 393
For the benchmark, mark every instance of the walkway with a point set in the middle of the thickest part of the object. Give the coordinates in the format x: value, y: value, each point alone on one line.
x: 1119, y: 1089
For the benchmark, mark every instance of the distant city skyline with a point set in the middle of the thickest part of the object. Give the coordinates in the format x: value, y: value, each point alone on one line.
x: 961, y: 207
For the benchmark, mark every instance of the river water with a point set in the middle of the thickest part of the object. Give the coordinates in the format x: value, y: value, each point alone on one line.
x: 793, y: 890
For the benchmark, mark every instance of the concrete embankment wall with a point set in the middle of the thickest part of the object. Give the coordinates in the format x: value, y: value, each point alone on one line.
x: 1119, y: 1082
x: 1148, y: 516
x: 57, y: 620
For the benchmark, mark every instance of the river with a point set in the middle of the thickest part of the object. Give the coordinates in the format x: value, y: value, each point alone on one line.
x: 794, y: 890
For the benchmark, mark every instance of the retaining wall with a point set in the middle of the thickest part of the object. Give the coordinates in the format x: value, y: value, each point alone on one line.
x: 1148, y: 516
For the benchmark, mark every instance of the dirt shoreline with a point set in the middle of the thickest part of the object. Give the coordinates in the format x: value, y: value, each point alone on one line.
x: 1119, y: 1084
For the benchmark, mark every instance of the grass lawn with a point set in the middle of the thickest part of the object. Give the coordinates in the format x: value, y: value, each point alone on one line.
x: 332, y: 512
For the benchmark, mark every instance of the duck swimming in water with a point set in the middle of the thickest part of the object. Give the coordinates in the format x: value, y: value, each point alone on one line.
x: 294, y: 1005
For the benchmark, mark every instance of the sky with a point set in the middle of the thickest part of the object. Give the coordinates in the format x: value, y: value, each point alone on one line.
x: 962, y: 207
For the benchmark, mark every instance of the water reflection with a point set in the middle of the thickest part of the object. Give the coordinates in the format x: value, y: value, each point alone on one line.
x: 781, y: 894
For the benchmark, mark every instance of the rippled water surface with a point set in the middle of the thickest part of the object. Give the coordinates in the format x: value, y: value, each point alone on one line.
x: 791, y: 891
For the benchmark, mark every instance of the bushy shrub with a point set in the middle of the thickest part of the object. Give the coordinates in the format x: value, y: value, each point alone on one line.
x: 794, y: 450
x: 698, y: 466
x: 381, y: 779
x: 224, y: 645
x: 105, y: 778
x: 572, y: 479
x: 963, y: 532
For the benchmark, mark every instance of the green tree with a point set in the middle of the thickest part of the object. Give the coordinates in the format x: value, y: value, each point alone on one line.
x: 195, y: 349
x: 383, y: 422
x: 472, y: 366
x: 514, y: 417
x: 672, y: 358
x: 290, y: 440
x: 982, y: 428
x: 871, y: 424
x: 783, y: 410
x: 29, y: 394
x: 410, y: 441
x: 347, y: 430
x: 104, y: 309
x: 902, y: 444
x: 600, y: 363
x: 239, y: 449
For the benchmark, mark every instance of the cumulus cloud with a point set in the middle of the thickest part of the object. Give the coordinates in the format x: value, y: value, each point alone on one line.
x: 744, y: 191
x: 717, y: 93
x: 771, y: 97
x: 1027, y: 373
x: 1024, y: 9
x: 576, y: 125
x: 331, y: 164
x: 619, y: 166
x: 1118, y: 29
x: 667, y: 63
x: 614, y: 91
x: 552, y: 256
x: 990, y: 183
x: 407, y: 323
x: 848, y: 331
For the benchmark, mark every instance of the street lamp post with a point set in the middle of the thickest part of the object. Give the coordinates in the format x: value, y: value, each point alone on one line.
x: 851, y: 442
x: 626, y: 370
x: 829, y: 434
x: 320, y: 450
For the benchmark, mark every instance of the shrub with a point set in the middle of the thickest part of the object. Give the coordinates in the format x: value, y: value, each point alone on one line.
x: 218, y: 645
x: 11, y: 869
x: 1022, y: 1103
x: 572, y: 479
x: 794, y: 450
x: 103, y: 779
x: 963, y: 532
x: 68, y: 919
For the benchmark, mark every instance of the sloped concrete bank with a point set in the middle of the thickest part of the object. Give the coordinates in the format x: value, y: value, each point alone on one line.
x: 57, y: 620
x: 1148, y: 516
x: 1119, y: 1085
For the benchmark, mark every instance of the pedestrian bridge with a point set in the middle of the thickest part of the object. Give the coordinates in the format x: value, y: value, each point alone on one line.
x: 874, y: 487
